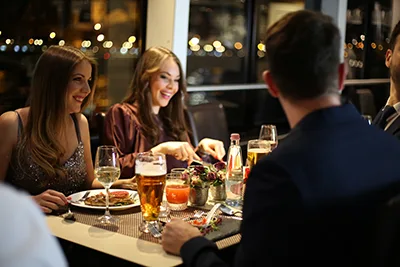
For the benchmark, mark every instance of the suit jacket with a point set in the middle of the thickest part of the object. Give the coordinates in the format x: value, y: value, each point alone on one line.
x: 394, y: 128
x: 314, y: 199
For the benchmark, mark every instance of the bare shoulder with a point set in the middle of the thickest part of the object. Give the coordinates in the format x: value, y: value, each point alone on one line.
x: 8, y: 120
x: 82, y: 120
x: 9, y: 127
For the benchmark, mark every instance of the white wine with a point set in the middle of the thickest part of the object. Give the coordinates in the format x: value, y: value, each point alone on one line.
x: 107, y: 175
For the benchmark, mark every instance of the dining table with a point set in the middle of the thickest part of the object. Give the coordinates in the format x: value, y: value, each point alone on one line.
x: 123, y: 239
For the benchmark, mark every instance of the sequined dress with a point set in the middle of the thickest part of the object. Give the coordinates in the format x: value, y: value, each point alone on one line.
x: 31, y: 178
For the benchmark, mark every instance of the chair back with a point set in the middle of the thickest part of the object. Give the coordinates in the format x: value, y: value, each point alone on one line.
x: 100, y: 117
x: 366, y: 102
x: 209, y: 120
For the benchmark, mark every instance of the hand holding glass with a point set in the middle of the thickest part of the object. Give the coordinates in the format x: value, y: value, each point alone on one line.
x: 107, y: 171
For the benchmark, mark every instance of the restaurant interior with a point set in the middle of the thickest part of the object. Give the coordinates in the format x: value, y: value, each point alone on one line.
x: 220, y: 45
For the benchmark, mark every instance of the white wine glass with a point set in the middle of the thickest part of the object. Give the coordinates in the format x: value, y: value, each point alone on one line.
x: 269, y: 133
x: 107, y: 171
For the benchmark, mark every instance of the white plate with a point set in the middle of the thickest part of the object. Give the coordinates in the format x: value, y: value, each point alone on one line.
x: 79, y: 195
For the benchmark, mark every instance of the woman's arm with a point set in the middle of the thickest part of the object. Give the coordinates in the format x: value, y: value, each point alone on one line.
x: 8, y: 139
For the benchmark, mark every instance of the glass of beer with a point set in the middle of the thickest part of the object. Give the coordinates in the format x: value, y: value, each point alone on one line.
x: 256, y: 149
x: 106, y: 171
x: 151, y: 169
x: 269, y: 133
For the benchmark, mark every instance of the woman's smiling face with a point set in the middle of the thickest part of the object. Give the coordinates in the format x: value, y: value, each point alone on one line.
x: 164, y: 84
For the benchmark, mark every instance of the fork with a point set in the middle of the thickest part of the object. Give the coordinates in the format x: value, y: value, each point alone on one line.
x: 83, y: 198
x: 198, y: 214
x: 154, y: 231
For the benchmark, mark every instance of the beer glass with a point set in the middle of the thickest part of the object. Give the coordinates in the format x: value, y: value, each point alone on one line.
x: 151, y: 169
x: 269, y: 133
x: 256, y: 149
x: 106, y: 171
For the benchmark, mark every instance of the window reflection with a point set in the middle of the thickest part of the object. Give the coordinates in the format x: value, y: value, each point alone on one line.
x: 109, y: 30
x: 367, y: 38
x: 217, y: 42
x: 268, y: 12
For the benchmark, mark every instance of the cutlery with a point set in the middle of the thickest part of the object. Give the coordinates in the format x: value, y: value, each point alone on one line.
x: 69, y: 215
x: 196, y: 216
x: 210, y: 215
x: 229, y: 211
x: 83, y: 198
x: 154, y: 231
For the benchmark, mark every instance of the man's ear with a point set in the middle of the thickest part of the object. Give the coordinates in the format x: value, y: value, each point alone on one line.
x: 388, y: 57
x: 269, y: 81
x: 343, y: 70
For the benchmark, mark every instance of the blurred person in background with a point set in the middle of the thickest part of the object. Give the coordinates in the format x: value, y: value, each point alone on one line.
x: 316, y: 198
x: 152, y: 116
x: 388, y: 118
x: 45, y: 148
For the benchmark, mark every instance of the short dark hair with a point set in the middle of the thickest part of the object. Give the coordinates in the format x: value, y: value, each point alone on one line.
x: 303, y: 52
x: 393, y: 36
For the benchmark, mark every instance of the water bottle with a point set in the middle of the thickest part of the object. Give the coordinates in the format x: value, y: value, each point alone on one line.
x: 234, y: 173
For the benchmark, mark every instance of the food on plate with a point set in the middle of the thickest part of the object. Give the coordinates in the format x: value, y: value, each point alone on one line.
x: 215, y: 221
x: 117, y: 198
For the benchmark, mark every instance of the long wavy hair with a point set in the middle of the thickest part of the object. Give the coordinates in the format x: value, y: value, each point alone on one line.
x: 172, y: 115
x: 48, y: 113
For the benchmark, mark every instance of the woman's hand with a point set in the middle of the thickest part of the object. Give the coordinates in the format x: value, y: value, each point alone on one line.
x: 180, y: 150
x: 50, y: 200
x: 213, y: 147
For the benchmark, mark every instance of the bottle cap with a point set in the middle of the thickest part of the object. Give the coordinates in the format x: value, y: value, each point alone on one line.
x: 235, y: 136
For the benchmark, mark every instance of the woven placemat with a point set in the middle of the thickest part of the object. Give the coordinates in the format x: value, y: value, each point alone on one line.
x: 130, y: 219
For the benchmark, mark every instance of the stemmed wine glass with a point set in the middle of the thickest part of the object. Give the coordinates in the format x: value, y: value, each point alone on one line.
x: 269, y: 133
x: 107, y: 171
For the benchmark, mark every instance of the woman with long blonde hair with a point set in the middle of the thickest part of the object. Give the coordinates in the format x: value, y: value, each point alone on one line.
x: 152, y: 118
x: 45, y: 148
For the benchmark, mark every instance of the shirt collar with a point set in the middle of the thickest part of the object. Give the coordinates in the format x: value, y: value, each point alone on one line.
x: 395, y: 106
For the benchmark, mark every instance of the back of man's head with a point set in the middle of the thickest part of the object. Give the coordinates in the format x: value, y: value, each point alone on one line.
x: 303, y: 54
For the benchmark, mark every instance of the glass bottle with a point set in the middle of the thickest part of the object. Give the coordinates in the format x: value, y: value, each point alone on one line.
x: 234, y: 173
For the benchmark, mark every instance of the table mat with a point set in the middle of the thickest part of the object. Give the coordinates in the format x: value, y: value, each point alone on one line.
x: 130, y: 219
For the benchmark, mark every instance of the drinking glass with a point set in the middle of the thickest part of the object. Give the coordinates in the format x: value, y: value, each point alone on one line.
x: 107, y: 171
x: 151, y: 169
x: 269, y: 133
x: 257, y: 149
x: 177, y: 190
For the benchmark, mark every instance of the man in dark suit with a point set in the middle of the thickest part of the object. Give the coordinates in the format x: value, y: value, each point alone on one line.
x: 313, y: 200
x: 388, y: 118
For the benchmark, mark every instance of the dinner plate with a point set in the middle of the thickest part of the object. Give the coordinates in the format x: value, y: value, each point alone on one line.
x: 79, y: 195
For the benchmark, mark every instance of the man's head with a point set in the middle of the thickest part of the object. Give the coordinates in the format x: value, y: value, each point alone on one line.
x: 303, y: 50
x: 393, y: 58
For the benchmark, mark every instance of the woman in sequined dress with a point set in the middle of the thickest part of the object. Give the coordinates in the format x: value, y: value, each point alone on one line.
x: 45, y: 148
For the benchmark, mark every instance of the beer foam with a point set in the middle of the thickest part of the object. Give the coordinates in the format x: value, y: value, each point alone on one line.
x: 150, y: 169
x: 258, y: 150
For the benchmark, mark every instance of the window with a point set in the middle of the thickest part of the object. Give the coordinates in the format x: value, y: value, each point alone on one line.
x: 110, y: 31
